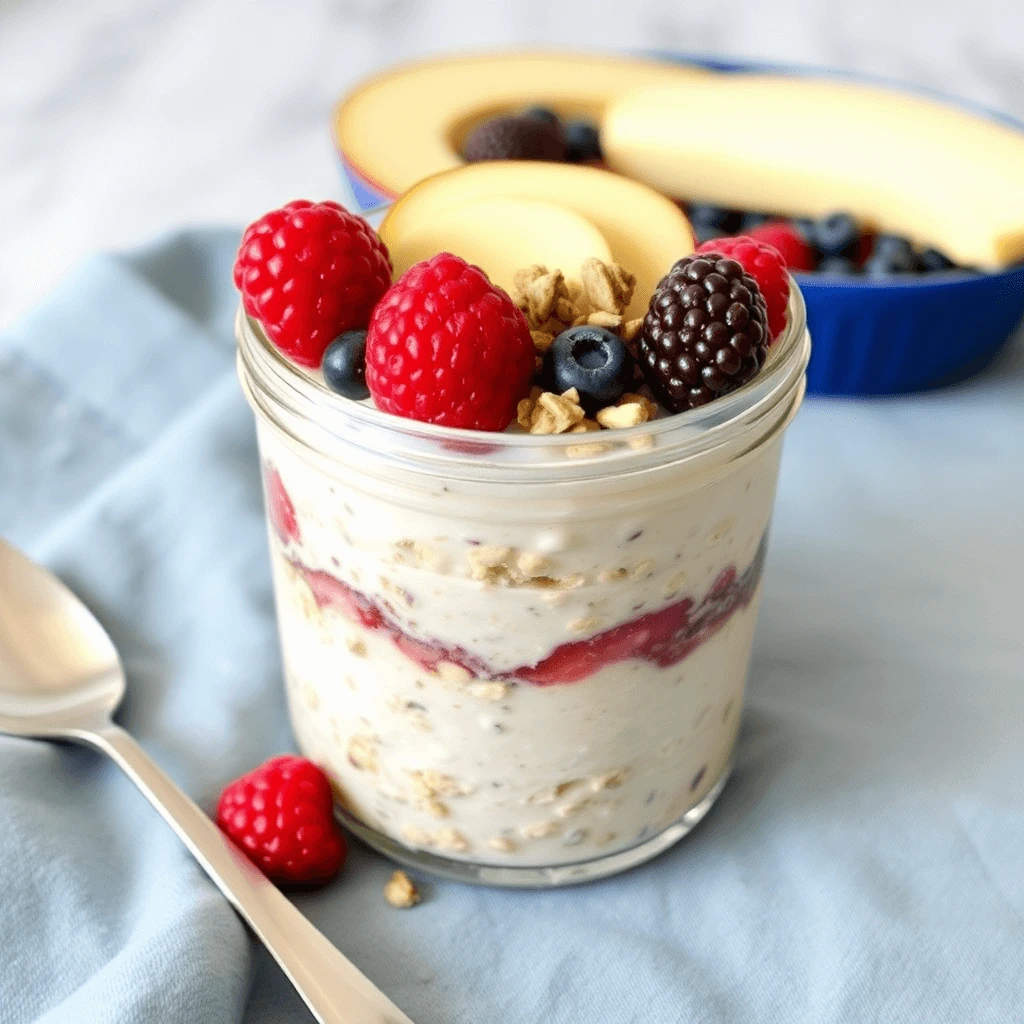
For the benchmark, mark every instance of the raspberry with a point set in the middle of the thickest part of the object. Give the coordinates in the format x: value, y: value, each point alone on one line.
x: 516, y: 138
x: 705, y: 332
x: 445, y: 346
x: 764, y: 263
x: 280, y: 509
x: 792, y: 245
x: 282, y: 816
x: 309, y: 271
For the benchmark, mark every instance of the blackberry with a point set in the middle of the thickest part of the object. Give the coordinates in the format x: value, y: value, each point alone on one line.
x: 705, y: 333
x: 515, y: 138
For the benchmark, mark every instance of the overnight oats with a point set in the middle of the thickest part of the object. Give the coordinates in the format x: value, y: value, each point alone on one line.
x: 518, y: 648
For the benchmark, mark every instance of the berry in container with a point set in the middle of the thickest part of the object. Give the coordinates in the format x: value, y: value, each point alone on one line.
x: 908, y: 207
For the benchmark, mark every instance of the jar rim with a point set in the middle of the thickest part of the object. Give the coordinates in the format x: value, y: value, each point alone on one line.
x: 302, y: 406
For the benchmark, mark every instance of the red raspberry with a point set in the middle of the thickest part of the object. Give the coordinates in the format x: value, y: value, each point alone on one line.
x: 445, y: 346
x: 309, y: 271
x: 764, y: 263
x: 280, y: 508
x: 282, y: 816
x: 787, y: 239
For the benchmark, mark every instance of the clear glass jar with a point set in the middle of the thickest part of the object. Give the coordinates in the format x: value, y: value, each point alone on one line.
x: 521, y: 659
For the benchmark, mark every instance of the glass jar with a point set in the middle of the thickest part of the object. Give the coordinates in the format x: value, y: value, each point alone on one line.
x: 521, y: 659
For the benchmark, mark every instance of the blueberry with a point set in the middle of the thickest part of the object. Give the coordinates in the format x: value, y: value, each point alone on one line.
x: 838, y: 265
x: 710, y: 221
x: 754, y: 220
x: 931, y: 260
x: 892, y: 254
x: 582, y: 140
x: 540, y: 114
x: 835, y: 235
x: 593, y: 361
x: 805, y: 225
x: 344, y: 365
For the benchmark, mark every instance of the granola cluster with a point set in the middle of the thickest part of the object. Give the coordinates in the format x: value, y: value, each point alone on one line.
x: 553, y: 303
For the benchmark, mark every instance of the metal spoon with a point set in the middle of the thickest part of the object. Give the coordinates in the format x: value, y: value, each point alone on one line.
x: 61, y: 679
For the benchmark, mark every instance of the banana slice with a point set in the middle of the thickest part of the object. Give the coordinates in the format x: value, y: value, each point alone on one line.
x: 806, y: 147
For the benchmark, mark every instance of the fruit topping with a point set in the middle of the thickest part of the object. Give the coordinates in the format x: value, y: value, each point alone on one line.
x: 512, y: 137
x: 790, y: 243
x: 706, y: 332
x: 582, y: 141
x: 541, y: 114
x: 280, y: 508
x: 755, y: 220
x: 835, y: 235
x: 592, y: 360
x: 309, y: 271
x: 931, y: 260
x: 710, y: 221
x: 282, y: 817
x: 344, y: 365
x: 766, y: 266
x: 891, y: 255
x: 445, y: 346
x: 838, y: 265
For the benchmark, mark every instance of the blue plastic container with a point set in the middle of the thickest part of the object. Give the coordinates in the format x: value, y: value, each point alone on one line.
x: 875, y: 337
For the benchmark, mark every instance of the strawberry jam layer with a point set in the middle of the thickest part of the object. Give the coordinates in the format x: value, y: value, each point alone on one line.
x: 663, y: 637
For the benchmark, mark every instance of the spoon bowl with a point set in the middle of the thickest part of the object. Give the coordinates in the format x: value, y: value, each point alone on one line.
x: 59, y: 670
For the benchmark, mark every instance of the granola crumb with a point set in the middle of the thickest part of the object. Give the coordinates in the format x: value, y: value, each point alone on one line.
x: 356, y: 646
x: 503, y: 844
x: 539, y: 829
x: 586, y: 624
x: 552, y: 793
x: 451, y: 839
x: 434, y: 807
x: 631, y: 329
x: 610, y: 780
x: 631, y: 414
x: 600, y: 318
x: 416, y: 836
x: 608, y: 287
x: 400, y: 891
x: 573, y: 807
x: 542, y: 340
x: 532, y: 563
x: 452, y: 673
x: 489, y: 690
x: 362, y: 753
x: 429, y: 782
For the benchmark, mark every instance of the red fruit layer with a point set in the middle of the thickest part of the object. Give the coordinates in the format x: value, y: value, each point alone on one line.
x: 663, y: 638
x: 280, y: 508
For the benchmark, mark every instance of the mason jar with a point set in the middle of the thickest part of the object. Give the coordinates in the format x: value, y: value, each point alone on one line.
x: 520, y: 659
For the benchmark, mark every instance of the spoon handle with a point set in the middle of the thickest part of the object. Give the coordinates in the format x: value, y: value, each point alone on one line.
x: 333, y: 988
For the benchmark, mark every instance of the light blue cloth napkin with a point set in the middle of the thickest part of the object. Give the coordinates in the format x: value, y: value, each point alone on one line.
x: 866, y: 863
